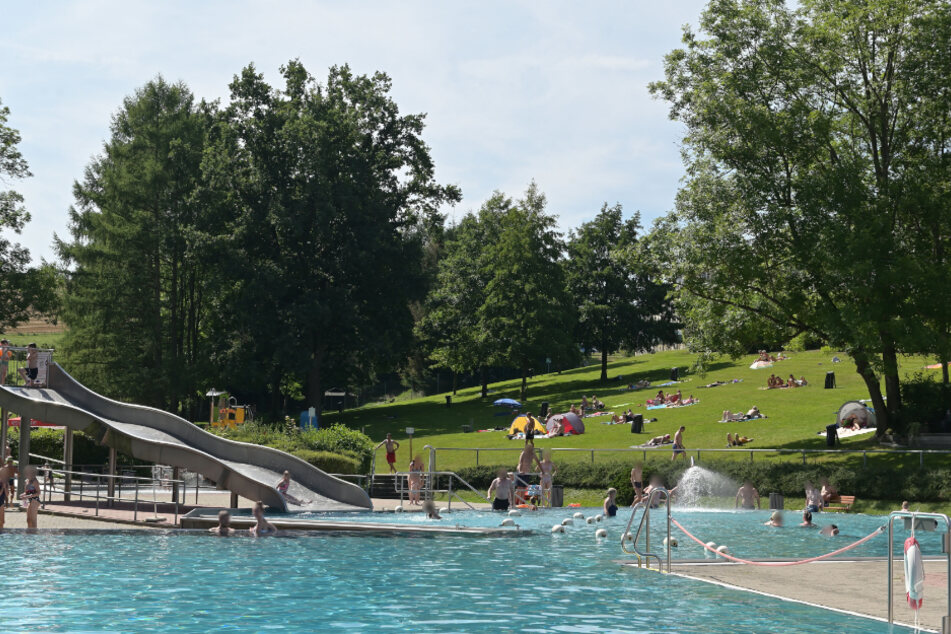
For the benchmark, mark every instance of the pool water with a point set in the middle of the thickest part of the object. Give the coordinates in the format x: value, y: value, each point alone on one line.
x: 193, y: 582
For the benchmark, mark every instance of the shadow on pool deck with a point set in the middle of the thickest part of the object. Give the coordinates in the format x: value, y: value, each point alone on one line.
x: 856, y: 586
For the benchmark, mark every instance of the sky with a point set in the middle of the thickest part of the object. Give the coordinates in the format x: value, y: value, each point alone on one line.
x: 513, y: 91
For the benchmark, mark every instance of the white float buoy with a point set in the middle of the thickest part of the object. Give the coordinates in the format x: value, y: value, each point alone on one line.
x: 444, y: 510
x: 578, y: 516
x: 557, y: 528
x: 515, y: 513
x: 711, y: 545
x: 673, y: 542
x: 567, y: 521
x: 723, y: 550
x: 627, y: 537
x: 600, y: 533
x: 590, y: 520
x: 398, y: 509
x: 598, y: 517
x: 508, y: 522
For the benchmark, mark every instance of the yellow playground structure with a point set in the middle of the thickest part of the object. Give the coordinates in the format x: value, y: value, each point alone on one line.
x: 231, y: 414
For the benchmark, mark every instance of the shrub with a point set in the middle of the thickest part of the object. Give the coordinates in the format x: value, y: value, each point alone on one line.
x: 337, y: 439
x: 48, y: 442
x: 329, y: 462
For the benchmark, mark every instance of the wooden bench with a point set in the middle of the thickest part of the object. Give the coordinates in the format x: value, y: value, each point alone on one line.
x: 840, y: 503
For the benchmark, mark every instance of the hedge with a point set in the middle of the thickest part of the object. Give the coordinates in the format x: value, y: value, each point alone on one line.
x: 48, y: 442
x: 329, y: 461
x: 872, y: 482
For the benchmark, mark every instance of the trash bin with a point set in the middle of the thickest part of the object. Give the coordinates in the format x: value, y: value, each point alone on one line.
x: 543, y: 412
x: 448, y: 400
x: 557, y: 496
x: 674, y: 373
x: 637, y: 424
x: 832, y: 435
x: 830, y: 380
x: 775, y: 502
x: 467, y: 429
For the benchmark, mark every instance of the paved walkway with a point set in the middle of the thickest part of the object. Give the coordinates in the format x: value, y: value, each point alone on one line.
x: 17, y: 520
x: 851, y: 586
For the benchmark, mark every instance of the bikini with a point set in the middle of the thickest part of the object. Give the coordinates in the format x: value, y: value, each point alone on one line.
x: 612, y: 510
x: 283, y: 486
x: 30, y: 491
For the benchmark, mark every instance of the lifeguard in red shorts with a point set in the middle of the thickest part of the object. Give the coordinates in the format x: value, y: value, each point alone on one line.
x: 391, y: 447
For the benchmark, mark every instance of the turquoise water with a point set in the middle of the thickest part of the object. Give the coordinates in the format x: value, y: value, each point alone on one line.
x: 192, y: 582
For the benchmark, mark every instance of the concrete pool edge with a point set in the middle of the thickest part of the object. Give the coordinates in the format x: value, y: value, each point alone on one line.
x: 768, y: 582
x: 206, y: 518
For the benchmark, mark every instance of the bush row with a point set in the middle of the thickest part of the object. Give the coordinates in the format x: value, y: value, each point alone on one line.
x: 873, y: 482
x: 49, y: 442
x: 350, y: 445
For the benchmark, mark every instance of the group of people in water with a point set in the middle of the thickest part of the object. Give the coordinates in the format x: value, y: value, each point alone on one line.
x: 516, y: 488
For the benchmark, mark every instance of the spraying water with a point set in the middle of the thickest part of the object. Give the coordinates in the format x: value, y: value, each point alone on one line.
x: 698, y: 483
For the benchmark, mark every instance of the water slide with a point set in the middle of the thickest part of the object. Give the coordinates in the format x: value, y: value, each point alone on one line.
x: 149, y: 434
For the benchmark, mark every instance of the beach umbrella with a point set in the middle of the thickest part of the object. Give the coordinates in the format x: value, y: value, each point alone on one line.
x: 507, y: 402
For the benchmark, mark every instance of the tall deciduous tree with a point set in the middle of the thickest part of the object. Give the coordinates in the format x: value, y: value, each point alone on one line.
x: 526, y: 312
x: 619, y: 305
x: 812, y: 133
x: 134, y: 296
x: 324, y: 188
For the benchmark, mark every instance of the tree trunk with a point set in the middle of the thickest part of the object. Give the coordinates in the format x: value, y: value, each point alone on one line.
x: 865, y: 370
x: 604, y: 364
x: 455, y: 382
x: 892, y: 379
x: 944, y: 372
x: 483, y: 379
x: 524, y: 381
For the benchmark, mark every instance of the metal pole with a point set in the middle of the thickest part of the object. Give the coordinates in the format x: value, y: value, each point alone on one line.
x: 23, y: 453
x: 804, y: 457
x: 68, y: 464
x: 477, y: 457
x: 176, y: 476
x: 3, y: 435
x: 135, y: 511
x: 98, y: 489
x: 751, y: 455
x: 864, y: 459
x: 111, y: 484
x: 921, y: 458
x: 890, y: 555
x: 592, y: 456
x: 667, y: 495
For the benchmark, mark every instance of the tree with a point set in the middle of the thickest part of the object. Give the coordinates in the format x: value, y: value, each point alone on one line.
x: 618, y: 303
x: 526, y: 313
x: 811, y: 134
x: 325, y: 189
x: 137, y: 278
x: 22, y: 289
x: 450, y: 328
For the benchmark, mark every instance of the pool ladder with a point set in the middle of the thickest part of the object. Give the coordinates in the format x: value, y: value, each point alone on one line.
x: 645, y: 554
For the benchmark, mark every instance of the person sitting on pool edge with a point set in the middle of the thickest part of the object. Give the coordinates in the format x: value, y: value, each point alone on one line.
x: 610, y: 503
x: 775, y: 520
x: 262, y: 527
x: 807, y: 520
x: 503, y: 490
x: 223, y: 529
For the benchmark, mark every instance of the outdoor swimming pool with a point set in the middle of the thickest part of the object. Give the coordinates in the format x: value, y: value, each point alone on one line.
x: 189, y: 581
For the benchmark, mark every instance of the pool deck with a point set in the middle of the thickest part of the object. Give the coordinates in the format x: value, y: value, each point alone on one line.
x: 854, y: 586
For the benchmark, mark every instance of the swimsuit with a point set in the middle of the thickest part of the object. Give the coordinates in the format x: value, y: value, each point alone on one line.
x: 500, y: 505
x: 30, y: 491
x: 391, y: 457
x: 678, y: 449
x: 283, y: 486
x: 612, y: 510
x: 32, y: 373
x: 638, y: 485
x: 748, y: 506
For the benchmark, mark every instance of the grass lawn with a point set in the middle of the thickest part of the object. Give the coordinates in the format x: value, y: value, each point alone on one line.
x: 794, y: 415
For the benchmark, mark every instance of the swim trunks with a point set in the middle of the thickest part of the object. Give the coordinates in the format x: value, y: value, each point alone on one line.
x: 391, y: 457
x: 500, y: 505
x: 812, y: 508
x: 678, y: 450
x: 32, y: 373
x: 638, y: 485
x: 523, y: 479
x: 748, y: 507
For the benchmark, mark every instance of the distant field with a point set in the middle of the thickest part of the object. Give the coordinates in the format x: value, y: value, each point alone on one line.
x: 38, y: 331
x: 794, y: 415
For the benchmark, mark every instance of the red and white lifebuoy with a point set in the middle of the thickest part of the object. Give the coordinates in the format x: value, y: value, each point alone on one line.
x: 914, y: 573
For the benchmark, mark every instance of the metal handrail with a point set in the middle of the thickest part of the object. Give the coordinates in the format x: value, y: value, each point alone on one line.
x: 112, y: 498
x: 946, y: 547
x: 428, y: 489
x: 645, y: 519
x: 751, y: 451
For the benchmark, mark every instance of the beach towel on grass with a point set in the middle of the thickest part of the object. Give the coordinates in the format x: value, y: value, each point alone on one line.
x: 592, y: 414
x: 742, y: 420
x: 846, y: 433
x: 671, y: 405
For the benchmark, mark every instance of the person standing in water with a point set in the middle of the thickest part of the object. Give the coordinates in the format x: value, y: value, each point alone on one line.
x: 415, y: 479
x: 391, y: 447
x: 31, y: 495
x: 747, y: 494
x: 813, y: 498
x: 637, y: 482
x: 526, y: 460
x: 610, y: 503
x: 548, y: 469
x: 262, y: 527
x: 679, y: 444
x: 503, y: 489
x: 223, y: 529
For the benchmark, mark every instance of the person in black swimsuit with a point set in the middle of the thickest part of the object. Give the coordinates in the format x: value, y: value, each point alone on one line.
x: 31, y: 495
x: 610, y: 503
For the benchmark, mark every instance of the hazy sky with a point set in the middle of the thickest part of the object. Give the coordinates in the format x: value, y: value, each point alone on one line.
x: 555, y: 91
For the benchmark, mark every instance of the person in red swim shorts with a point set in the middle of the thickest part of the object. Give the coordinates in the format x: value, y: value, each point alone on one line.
x: 391, y: 447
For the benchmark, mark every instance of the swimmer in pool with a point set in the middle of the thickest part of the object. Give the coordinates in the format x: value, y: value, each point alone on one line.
x: 829, y: 531
x: 748, y: 494
x: 775, y: 520
x: 223, y: 529
x: 637, y: 481
x: 503, y: 489
x: 429, y: 508
x: 813, y: 498
x: 905, y: 506
x: 263, y: 527
x: 807, y: 520
x: 610, y: 503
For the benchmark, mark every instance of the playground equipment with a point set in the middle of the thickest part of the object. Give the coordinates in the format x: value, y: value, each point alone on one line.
x: 233, y: 414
